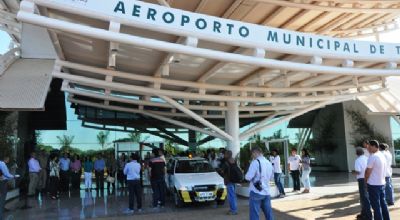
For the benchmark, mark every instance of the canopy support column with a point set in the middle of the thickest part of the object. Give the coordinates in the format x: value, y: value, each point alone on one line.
x: 232, y: 127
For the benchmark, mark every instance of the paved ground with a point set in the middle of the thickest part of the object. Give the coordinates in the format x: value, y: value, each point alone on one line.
x: 333, y: 197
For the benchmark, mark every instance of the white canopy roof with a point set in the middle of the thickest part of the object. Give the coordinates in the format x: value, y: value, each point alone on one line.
x: 24, y: 85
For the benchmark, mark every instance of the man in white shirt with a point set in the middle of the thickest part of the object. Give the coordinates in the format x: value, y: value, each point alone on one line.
x: 34, y: 169
x: 132, y: 172
x: 389, y: 192
x: 360, y: 166
x: 294, y: 168
x: 276, y: 163
x: 259, y: 174
x: 375, y: 178
x: 365, y: 148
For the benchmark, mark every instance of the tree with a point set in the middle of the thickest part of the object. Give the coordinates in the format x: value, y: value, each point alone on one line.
x: 102, y: 138
x: 6, y: 145
x: 137, y: 137
x: 396, y: 143
x: 65, y: 140
x: 38, y: 137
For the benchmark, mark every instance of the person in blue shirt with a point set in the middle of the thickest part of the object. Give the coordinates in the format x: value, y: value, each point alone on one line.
x: 132, y: 172
x: 5, y: 177
x: 64, y: 172
x: 99, y: 166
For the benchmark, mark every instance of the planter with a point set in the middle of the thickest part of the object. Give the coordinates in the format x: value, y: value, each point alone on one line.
x: 243, y: 190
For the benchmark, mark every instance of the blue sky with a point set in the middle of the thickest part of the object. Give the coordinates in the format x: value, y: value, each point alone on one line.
x: 85, y: 138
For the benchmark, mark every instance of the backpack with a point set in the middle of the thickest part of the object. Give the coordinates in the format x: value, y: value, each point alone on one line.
x: 235, y: 173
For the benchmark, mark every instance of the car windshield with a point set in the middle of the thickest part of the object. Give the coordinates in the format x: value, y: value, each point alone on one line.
x: 193, y: 166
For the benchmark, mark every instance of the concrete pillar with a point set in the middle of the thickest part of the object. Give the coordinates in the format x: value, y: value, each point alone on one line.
x: 232, y: 126
x: 192, y: 140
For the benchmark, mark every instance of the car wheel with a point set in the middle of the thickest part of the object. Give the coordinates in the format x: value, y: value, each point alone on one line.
x: 220, y: 202
x: 178, y: 202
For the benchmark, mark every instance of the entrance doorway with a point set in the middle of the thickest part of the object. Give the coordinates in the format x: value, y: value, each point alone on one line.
x: 282, y: 145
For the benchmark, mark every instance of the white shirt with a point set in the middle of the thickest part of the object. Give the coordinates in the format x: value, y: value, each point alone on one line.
x: 294, y: 162
x: 132, y: 170
x: 253, y: 175
x: 276, y: 163
x: 360, y: 166
x: 389, y: 161
x: 377, y: 162
x: 34, y: 166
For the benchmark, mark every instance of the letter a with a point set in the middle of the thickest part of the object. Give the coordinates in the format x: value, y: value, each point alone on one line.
x: 120, y: 7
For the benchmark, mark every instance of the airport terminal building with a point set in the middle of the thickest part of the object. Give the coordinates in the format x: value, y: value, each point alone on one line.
x: 228, y: 68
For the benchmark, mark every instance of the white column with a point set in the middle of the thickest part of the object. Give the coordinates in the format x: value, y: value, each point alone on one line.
x: 232, y: 126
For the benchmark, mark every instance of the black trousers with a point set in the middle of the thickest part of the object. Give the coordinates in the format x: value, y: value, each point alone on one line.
x: 99, y: 179
x: 53, y: 185
x: 64, y: 180
x: 159, y: 189
x: 75, y: 180
x: 296, y: 179
x: 135, y: 190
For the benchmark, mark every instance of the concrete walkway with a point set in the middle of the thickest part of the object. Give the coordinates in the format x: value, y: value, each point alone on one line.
x: 338, y: 200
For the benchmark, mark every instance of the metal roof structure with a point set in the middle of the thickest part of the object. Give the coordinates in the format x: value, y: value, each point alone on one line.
x: 214, y: 62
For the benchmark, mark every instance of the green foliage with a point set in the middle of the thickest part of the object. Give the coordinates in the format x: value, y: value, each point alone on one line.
x: 102, y: 138
x: 45, y: 148
x: 6, y: 138
x: 137, y: 137
x: 65, y: 140
x: 322, y: 140
x: 363, y: 130
x: 397, y: 144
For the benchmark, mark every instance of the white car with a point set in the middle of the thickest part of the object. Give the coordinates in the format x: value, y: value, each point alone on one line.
x: 194, y: 180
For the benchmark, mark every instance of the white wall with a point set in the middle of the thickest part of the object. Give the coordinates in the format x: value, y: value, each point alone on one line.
x: 380, y: 122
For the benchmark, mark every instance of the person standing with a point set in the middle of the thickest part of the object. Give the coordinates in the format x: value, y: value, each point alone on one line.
x: 54, y: 176
x: 99, y: 166
x: 121, y: 176
x: 276, y: 164
x: 227, y: 171
x: 375, y: 178
x: 3, y: 183
x: 75, y: 167
x: 360, y: 165
x: 64, y: 173
x: 365, y: 146
x: 34, y: 169
x: 111, y: 169
x: 42, y: 158
x: 259, y: 174
x: 157, y: 179
x: 306, y: 170
x: 389, y: 192
x: 294, y: 168
x: 88, y: 169
x: 132, y: 172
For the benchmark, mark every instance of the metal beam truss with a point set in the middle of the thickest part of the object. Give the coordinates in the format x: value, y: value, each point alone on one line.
x: 277, y: 104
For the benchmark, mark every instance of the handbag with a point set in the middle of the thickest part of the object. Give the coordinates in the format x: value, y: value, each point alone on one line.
x: 110, y: 179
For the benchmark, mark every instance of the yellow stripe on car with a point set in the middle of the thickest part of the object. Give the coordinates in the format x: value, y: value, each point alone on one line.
x: 185, y: 196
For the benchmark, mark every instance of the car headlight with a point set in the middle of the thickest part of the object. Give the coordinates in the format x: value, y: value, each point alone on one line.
x: 221, y: 186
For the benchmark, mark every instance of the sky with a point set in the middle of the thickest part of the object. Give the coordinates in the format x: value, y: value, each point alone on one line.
x: 85, y: 138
